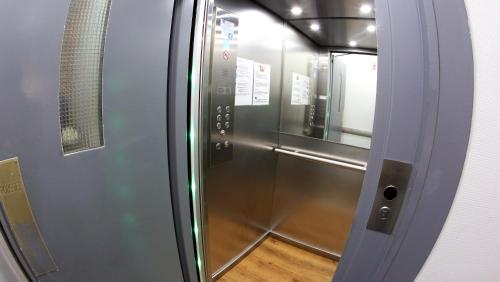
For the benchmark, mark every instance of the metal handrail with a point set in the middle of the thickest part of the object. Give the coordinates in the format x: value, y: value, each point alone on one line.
x: 322, y: 160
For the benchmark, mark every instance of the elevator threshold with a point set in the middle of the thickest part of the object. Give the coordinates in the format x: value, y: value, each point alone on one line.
x: 275, y: 260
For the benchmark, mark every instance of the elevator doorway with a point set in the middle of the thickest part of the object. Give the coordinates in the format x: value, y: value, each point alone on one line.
x: 256, y: 188
x: 285, y: 125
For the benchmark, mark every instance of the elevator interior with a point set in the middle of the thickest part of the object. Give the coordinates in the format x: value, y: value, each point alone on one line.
x: 285, y: 119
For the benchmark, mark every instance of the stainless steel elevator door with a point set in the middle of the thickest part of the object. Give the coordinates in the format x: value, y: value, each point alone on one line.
x: 105, y: 214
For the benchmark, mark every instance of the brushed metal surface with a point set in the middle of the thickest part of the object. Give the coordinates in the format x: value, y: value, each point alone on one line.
x: 238, y: 194
x: 322, y: 148
x: 336, y: 106
x: 395, y: 175
x: 18, y: 216
x: 315, y: 203
x: 323, y: 98
x: 322, y: 160
x: 301, y: 56
x: 222, y: 86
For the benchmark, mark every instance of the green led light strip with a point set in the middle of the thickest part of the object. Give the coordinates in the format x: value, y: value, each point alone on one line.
x: 203, y: 9
x: 195, y: 82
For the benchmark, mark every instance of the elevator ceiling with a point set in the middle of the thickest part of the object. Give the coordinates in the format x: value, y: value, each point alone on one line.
x: 330, y: 23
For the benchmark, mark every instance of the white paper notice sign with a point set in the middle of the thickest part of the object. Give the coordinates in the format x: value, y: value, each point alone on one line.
x: 227, y: 29
x: 300, y: 89
x: 261, y: 84
x: 244, y: 82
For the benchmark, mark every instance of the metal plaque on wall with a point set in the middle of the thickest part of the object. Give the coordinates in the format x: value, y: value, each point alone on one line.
x: 223, y: 83
x: 19, y: 222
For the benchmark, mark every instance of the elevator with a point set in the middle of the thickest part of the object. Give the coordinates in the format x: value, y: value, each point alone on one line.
x: 229, y: 140
x: 285, y: 123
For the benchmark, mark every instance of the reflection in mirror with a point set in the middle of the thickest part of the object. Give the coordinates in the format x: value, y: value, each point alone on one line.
x: 328, y: 95
x: 351, y: 103
x: 300, y: 71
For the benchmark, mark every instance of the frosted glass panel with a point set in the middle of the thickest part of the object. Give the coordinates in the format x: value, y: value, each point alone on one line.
x: 80, y: 90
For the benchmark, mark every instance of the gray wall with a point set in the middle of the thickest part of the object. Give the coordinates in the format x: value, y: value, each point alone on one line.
x: 473, y: 224
x: 105, y: 214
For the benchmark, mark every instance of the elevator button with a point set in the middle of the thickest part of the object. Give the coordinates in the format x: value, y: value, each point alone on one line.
x: 223, y: 132
x: 392, y: 185
x: 219, y: 117
x: 218, y: 146
x: 227, y: 124
x: 227, y: 116
x: 384, y: 213
x: 228, y: 109
x: 219, y: 109
x: 390, y: 192
x: 219, y: 125
x: 226, y: 144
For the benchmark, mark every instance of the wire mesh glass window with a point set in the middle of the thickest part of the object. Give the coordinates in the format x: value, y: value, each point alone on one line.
x: 80, y: 88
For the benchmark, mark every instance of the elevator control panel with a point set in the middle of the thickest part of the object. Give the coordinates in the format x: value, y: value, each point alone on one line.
x: 391, y: 191
x: 222, y: 86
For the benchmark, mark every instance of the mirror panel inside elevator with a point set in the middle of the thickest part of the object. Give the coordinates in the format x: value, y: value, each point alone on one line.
x: 286, y: 106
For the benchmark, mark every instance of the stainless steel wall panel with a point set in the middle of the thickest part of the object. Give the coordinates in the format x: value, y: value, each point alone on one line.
x: 337, y: 101
x: 323, y: 148
x: 315, y: 203
x: 225, y: 205
x: 254, y: 192
x: 300, y: 56
x: 323, y: 91
x: 222, y: 86
x: 238, y: 194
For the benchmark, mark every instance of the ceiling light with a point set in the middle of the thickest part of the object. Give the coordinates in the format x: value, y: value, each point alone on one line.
x: 353, y: 43
x: 371, y: 28
x: 296, y: 11
x: 314, y: 27
x: 365, y: 9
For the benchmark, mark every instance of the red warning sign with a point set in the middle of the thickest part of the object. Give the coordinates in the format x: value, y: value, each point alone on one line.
x: 226, y: 55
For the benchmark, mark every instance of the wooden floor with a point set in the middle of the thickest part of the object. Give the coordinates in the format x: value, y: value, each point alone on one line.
x: 277, y: 261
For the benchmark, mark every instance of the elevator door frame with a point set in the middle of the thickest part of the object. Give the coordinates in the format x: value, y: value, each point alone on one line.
x: 423, y: 116
x: 442, y: 66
